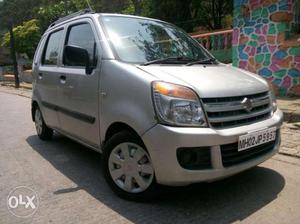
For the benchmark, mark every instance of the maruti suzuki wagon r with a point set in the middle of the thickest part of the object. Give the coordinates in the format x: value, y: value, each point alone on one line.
x: 158, y: 106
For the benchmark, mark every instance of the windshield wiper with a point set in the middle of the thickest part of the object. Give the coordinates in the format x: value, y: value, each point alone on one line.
x: 203, y: 61
x: 168, y: 59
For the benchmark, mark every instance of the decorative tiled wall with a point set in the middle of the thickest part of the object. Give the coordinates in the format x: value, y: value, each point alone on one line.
x: 260, y: 32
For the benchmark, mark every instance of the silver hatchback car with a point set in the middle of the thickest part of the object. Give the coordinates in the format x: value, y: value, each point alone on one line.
x: 159, y: 107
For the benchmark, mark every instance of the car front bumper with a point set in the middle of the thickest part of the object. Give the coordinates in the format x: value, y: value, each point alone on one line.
x: 162, y: 143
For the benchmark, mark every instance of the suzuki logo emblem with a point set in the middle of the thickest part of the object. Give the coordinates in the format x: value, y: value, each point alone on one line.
x: 247, y: 104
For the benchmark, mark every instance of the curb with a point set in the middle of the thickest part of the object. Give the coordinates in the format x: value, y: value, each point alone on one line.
x: 14, y: 93
x: 288, y: 154
x: 291, y: 116
x: 12, y: 85
x: 17, y: 94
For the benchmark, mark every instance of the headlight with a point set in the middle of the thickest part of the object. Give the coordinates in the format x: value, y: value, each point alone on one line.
x: 177, y: 105
x: 273, y: 98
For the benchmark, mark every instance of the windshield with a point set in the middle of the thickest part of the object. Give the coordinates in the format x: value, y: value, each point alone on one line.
x: 138, y: 40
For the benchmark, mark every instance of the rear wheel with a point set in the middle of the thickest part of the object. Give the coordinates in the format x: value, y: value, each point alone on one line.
x: 42, y: 130
x: 128, y: 168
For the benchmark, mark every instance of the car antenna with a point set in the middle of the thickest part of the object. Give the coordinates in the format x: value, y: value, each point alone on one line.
x: 89, y: 5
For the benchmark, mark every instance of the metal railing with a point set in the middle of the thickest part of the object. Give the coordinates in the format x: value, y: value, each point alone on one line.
x: 218, y: 43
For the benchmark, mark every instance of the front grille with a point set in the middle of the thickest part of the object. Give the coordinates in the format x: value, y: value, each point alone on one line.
x: 194, y: 158
x: 226, y: 112
x: 231, y: 156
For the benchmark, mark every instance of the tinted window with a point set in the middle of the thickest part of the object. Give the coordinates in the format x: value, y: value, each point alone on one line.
x: 297, y: 17
x: 82, y: 36
x: 52, y: 48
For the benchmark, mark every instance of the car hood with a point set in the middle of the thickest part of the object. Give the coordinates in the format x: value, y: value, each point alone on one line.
x: 210, y: 80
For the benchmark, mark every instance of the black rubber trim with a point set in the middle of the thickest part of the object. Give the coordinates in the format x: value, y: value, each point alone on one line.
x: 74, y: 114
x: 50, y: 106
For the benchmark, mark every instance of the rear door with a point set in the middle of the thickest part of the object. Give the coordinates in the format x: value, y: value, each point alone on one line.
x: 47, y: 76
x: 78, y: 91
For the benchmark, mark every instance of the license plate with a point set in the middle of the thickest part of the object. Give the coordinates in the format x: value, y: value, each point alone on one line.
x: 256, y: 138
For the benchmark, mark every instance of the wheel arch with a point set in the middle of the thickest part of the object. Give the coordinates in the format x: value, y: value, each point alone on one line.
x: 117, y: 127
x: 34, y: 105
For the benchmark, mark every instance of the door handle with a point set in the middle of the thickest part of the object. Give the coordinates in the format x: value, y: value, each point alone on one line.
x: 40, y: 75
x: 63, y: 79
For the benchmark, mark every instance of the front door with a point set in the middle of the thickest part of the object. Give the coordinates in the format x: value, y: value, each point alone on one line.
x: 78, y: 91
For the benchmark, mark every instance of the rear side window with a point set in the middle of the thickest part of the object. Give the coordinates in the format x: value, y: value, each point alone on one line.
x: 51, y: 51
x: 82, y: 35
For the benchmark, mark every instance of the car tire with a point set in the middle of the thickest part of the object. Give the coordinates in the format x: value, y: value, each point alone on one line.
x: 42, y: 130
x: 128, y: 168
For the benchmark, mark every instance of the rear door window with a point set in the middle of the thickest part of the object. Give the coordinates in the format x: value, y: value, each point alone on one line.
x: 52, y: 48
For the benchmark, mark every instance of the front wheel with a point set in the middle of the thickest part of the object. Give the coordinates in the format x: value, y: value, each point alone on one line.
x: 42, y: 130
x: 128, y: 168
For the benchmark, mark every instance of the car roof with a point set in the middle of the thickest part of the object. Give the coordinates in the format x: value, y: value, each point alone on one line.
x: 130, y: 16
x: 90, y: 14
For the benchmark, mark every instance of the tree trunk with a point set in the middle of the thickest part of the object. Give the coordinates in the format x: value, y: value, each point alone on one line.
x: 219, y: 13
x: 13, y: 56
x: 213, y: 13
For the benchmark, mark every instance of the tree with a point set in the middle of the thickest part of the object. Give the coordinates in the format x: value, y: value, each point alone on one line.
x: 17, y: 11
x: 48, y: 13
x: 14, y: 12
x: 174, y: 11
x: 26, y: 37
x: 138, y: 6
x: 211, y: 13
x: 191, y: 13
x: 13, y: 56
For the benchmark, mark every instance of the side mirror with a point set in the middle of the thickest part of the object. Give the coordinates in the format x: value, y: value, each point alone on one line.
x: 77, y: 56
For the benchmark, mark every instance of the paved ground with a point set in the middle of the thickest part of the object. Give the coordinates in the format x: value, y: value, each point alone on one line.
x: 69, y: 182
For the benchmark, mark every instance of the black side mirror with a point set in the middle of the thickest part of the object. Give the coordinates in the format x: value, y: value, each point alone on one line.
x: 77, y: 56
